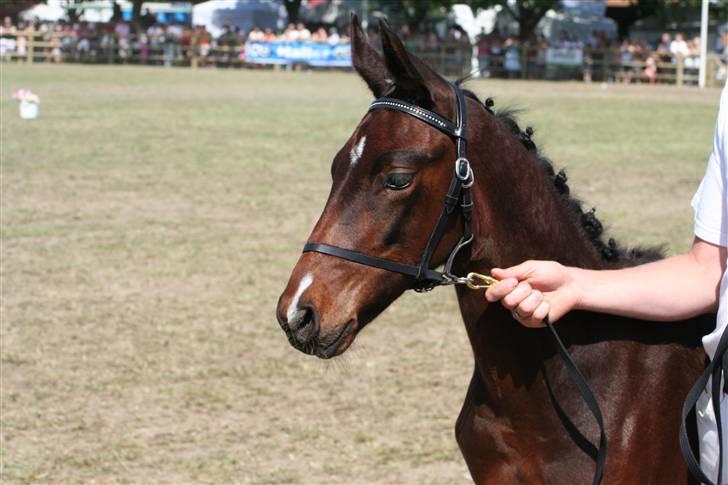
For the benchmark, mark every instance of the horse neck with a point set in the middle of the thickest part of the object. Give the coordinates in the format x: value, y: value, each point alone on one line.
x: 518, y: 216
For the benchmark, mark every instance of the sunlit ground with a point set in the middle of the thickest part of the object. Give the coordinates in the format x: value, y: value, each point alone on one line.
x: 150, y: 219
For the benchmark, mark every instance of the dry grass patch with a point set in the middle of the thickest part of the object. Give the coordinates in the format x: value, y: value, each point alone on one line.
x: 150, y: 219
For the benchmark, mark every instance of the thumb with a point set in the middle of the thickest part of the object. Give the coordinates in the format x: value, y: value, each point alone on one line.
x: 521, y: 271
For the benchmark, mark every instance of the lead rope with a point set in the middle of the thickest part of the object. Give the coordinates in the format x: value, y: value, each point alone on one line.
x: 589, y: 399
x: 476, y: 281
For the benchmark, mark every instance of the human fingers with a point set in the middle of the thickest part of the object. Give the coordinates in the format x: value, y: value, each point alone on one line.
x: 536, y: 320
x: 519, y: 271
x: 515, y: 297
x: 500, y: 289
x: 529, y: 304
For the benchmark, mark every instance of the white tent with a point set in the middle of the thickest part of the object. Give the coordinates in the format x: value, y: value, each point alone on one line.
x: 474, y: 25
x: 50, y: 12
x: 553, y: 23
x: 239, y: 13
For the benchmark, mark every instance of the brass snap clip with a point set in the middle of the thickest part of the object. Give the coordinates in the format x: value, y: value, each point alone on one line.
x: 477, y: 281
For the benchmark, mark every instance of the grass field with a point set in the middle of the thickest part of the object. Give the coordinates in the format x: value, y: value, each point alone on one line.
x: 150, y: 219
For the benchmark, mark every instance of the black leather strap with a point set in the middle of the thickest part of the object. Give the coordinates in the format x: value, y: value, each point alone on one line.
x: 451, y: 202
x: 714, y: 370
x: 394, y: 266
x: 589, y: 399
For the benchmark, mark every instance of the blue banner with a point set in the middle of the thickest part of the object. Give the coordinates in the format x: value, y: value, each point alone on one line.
x: 311, y: 53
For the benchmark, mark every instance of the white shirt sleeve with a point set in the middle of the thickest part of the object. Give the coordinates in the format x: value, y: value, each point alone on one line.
x: 711, y: 200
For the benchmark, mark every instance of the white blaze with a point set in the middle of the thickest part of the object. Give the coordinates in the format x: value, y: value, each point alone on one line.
x: 293, y: 307
x: 358, y: 150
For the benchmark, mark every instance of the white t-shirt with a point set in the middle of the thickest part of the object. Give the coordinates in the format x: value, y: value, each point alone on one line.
x: 711, y: 211
x: 711, y: 224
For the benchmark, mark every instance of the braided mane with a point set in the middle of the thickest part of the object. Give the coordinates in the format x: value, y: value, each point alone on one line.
x: 612, y: 252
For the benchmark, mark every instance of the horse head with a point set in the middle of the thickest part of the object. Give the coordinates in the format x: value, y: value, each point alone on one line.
x: 389, y: 181
x: 396, y: 210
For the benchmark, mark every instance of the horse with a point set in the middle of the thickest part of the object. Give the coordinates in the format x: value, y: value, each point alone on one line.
x: 391, y: 217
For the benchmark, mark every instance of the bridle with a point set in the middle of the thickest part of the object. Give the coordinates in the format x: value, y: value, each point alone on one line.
x: 459, y: 195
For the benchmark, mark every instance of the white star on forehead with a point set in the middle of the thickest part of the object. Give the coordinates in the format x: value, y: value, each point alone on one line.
x: 358, y: 150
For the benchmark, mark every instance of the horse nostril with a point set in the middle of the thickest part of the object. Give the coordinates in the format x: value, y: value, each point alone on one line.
x: 303, y: 325
x: 300, y: 319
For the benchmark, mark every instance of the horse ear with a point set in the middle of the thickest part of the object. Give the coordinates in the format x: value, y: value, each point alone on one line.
x: 401, y: 66
x: 426, y: 88
x: 367, y: 61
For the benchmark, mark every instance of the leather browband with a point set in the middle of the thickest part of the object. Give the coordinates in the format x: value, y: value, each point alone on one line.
x: 429, y: 117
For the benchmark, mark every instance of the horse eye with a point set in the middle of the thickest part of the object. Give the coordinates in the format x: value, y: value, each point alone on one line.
x: 398, y: 180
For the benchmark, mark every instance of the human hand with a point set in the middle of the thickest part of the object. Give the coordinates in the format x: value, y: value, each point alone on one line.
x: 534, y: 289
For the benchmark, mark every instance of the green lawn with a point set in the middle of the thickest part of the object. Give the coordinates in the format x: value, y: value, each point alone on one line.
x: 150, y: 219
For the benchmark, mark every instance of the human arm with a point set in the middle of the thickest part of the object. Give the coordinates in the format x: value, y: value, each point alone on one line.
x: 670, y: 289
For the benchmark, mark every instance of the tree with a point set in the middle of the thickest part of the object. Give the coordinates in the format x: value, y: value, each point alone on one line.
x: 669, y: 13
x: 412, y: 12
x: 528, y: 13
x: 293, y: 7
x: 74, y: 6
x: 625, y: 17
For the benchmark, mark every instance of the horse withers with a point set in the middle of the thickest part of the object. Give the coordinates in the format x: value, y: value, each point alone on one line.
x: 523, y: 420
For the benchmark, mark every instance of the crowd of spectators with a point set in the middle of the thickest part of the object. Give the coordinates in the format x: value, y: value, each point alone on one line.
x: 149, y: 41
x: 145, y: 41
x: 639, y: 59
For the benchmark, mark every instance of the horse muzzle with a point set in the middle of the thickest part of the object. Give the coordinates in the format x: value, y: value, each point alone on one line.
x: 303, y: 329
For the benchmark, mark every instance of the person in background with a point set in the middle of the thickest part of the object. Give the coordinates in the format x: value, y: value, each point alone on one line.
x: 8, y: 39
x: 333, y: 38
x: 534, y: 290
x: 155, y: 34
x: 303, y: 33
x: 663, y: 48
x: 204, y: 40
x: 650, y: 70
x: 269, y: 35
x: 320, y: 35
x: 148, y: 19
x: 679, y: 47
x: 256, y: 35
x: 512, y: 57
x: 290, y: 34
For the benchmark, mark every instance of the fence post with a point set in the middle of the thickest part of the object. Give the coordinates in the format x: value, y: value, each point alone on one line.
x: 193, y: 45
x: 710, y: 70
x: 524, y: 61
x: 680, y: 70
x: 605, y: 64
x: 110, y: 46
x: 30, y: 46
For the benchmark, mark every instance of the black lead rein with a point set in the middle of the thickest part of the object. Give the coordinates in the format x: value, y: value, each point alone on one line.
x: 425, y: 278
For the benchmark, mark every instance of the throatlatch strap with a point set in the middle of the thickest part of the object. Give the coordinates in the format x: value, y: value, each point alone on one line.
x: 714, y: 370
x: 589, y: 399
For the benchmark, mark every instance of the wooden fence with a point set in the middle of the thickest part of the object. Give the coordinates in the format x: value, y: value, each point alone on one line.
x: 450, y: 59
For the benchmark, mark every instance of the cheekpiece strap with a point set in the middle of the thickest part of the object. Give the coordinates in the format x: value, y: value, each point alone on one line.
x: 429, y: 117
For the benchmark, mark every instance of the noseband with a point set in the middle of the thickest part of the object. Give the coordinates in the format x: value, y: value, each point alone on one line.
x: 458, y: 194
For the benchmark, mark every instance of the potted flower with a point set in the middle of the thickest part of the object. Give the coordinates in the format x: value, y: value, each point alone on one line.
x: 29, y: 103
